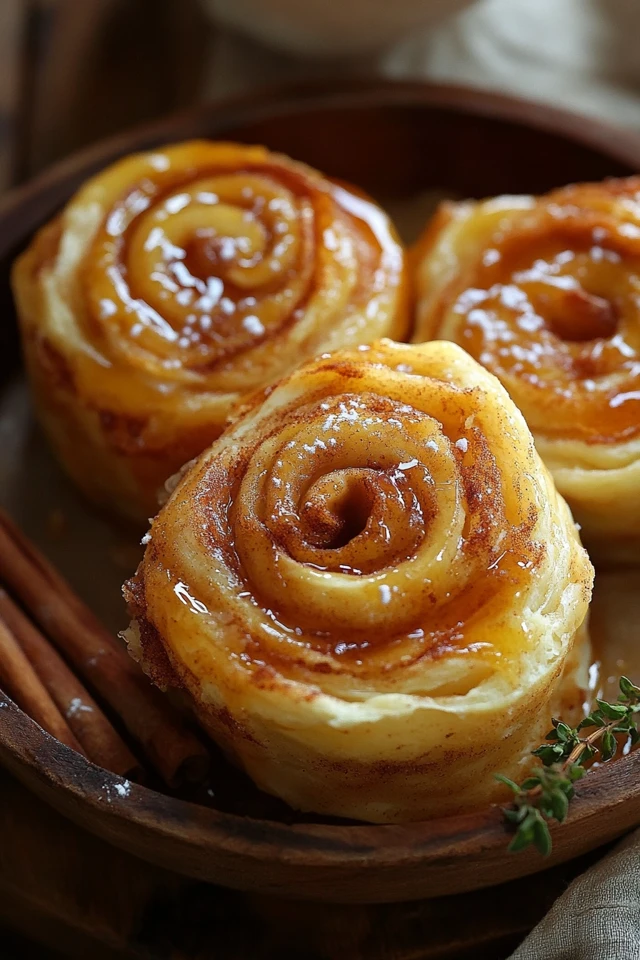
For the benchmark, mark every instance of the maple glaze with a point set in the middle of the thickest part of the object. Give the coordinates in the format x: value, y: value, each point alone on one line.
x: 545, y: 293
x: 178, y: 281
x: 368, y: 566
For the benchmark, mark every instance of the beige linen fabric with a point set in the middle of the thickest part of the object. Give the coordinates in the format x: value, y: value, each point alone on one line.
x: 323, y: 28
x: 598, y: 918
x: 579, y: 54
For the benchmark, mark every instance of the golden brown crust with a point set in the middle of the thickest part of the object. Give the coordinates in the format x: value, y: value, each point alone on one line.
x: 370, y: 577
x: 544, y: 293
x: 177, y: 282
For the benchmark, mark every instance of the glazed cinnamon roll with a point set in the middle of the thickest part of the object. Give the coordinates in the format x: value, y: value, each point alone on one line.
x: 545, y: 292
x: 369, y: 587
x: 176, y: 282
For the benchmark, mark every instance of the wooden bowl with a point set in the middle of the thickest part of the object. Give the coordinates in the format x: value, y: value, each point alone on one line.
x: 395, y: 140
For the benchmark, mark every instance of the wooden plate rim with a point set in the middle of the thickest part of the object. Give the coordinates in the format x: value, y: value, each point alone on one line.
x: 23, y: 744
x: 322, y: 845
x: 19, y: 216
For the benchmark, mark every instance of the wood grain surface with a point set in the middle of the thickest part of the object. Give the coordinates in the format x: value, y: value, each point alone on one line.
x: 73, y: 71
x: 250, y: 842
x: 65, y: 887
x: 13, y: 21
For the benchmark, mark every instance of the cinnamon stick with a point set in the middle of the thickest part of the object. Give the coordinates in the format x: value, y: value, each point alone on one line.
x: 22, y: 684
x: 172, y: 748
x: 101, y: 743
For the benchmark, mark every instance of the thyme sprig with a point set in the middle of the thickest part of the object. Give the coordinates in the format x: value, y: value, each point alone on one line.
x: 546, y: 793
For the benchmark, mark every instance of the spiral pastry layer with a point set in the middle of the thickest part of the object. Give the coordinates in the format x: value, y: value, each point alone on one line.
x: 369, y: 587
x: 176, y: 282
x: 545, y: 292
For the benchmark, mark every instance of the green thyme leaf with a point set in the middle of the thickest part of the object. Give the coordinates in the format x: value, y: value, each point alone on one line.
x: 628, y: 689
x: 549, y: 753
x: 525, y: 832
x: 612, y: 711
x: 588, y: 753
x: 515, y: 815
x: 609, y: 745
x: 567, y: 788
x: 546, y: 793
x: 575, y: 772
x: 564, y: 732
x: 530, y: 783
x: 559, y: 805
x: 542, y: 837
x: 507, y: 782
x: 589, y: 721
x: 623, y: 727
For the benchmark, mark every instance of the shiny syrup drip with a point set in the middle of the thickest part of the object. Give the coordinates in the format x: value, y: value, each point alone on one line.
x: 242, y: 265
x: 615, y: 612
x: 561, y: 330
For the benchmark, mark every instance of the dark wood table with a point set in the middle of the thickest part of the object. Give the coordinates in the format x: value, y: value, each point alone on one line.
x: 70, y: 890
x: 74, y: 71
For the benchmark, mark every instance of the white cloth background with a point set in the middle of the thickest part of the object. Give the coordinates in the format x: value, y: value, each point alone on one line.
x: 580, y: 54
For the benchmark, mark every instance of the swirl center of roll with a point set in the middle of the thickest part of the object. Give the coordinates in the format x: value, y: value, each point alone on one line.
x: 202, y: 272
x: 563, y: 319
x: 360, y: 512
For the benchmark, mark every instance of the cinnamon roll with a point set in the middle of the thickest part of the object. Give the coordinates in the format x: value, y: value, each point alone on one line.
x: 545, y: 292
x: 369, y: 587
x: 176, y: 282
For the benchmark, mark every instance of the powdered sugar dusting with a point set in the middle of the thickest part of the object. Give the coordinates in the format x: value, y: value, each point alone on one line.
x: 77, y: 706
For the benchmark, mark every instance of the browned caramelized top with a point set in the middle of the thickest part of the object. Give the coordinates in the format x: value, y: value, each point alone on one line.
x: 380, y: 509
x: 206, y: 251
x: 546, y: 295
